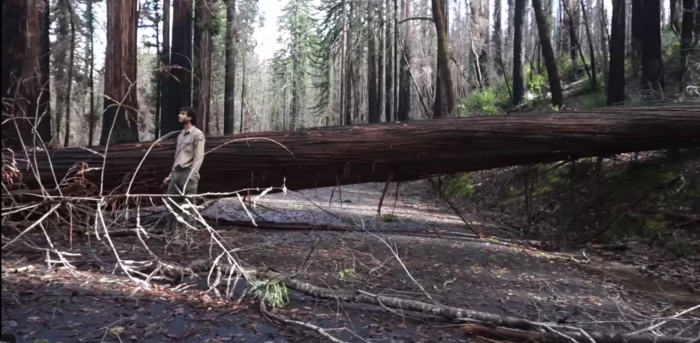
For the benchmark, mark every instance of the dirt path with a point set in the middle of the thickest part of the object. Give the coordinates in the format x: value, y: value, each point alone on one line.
x: 436, y: 254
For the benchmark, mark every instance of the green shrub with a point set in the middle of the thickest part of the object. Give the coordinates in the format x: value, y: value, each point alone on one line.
x: 593, y: 100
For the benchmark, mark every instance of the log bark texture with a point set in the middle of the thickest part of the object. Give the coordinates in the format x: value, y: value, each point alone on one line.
x: 411, y: 150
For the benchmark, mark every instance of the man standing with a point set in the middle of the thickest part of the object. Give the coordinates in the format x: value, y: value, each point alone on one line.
x: 189, y: 154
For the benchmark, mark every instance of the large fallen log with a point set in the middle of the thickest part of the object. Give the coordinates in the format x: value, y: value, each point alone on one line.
x: 369, y: 153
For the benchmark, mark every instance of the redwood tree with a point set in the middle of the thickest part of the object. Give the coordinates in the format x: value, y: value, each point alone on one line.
x: 25, y: 72
x: 616, y: 76
x: 119, y: 124
x: 445, y: 99
x: 180, y: 81
x: 202, y: 59
x: 518, y: 73
x: 230, y: 73
x: 652, y: 61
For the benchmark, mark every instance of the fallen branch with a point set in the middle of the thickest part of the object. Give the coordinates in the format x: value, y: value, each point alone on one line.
x: 286, y: 320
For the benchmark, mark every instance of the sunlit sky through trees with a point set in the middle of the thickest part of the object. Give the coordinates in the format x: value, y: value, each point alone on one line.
x: 267, y: 35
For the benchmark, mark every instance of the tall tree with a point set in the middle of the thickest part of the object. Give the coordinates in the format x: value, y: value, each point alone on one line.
x: 230, y: 68
x: 548, y: 54
x: 518, y: 73
x: 119, y: 124
x: 25, y: 73
x: 687, y: 34
x: 616, y: 75
x: 445, y: 99
x: 202, y: 60
x: 179, y: 87
x: 404, y: 96
x: 591, y: 49
x: 90, y: 23
x: 373, y: 114
x: 390, y: 63
x: 651, y: 59
x: 498, y: 35
x: 165, y: 74
x: 71, y: 65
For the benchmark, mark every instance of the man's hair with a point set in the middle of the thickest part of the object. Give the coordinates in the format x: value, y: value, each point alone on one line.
x: 191, y: 112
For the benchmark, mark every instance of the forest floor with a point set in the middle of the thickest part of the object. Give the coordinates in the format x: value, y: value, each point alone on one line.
x: 419, y: 249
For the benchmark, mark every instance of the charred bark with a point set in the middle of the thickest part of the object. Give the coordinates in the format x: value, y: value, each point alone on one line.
x: 404, y: 97
x: 616, y: 76
x: 230, y: 77
x: 330, y: 155
x: 591, y: 49
x: 180, y: 81
x: 373, y: 116
x: 119, y: 124
x: 518, y: 73
x: 652, y: 61
x: 25, y: 74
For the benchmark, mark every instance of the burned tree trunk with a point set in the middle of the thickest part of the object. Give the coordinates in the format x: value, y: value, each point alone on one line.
x: 119, y: 124
x: 344, y: 155
x: 518, y: 72
x: 179, y: 84
x: 616, y: 76
x: 25, y: 73
x: 687, y: 34
x: 230, y: 68
x: 404, y: 97
x: 652, y: 61
x: 373, y: 116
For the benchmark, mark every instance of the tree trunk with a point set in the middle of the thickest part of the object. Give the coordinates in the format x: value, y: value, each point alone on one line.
x: 616, y: 82
x: 203, y: 62
x: 25, y: 73
x: 165, y: 71
x: 674, y: 22
x: 548, y: 54
x: 69, y: 74
x: 180, y: 80
x: 230, y: 73
x: 91, y: 66
x: 686, y: 35
x: 390, y: 62
x: 119, y: 124
x: 591, y: 49
x: 404, y: 109
x: 518, y: 73
x: 652, y: 60
x: 381, y: 62
x: 637, y: 34
x: 373, y: 116
x: 497, y: 35
x: 329, y: 155
x: 446, y: 100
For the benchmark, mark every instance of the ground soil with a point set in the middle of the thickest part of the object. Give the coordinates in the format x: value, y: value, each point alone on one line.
x: 499, y: 274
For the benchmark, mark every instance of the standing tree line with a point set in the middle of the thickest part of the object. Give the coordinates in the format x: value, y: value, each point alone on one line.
x: 338, y: 62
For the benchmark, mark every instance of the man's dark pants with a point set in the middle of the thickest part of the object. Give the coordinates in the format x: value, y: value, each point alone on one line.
x: 179, y: 182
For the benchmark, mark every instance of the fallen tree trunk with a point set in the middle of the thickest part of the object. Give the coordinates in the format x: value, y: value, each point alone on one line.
x: 332, y: 156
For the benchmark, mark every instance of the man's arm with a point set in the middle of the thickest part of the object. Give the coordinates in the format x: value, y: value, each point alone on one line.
x: 198, y: 152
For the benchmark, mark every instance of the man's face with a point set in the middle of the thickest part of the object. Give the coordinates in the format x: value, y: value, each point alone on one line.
x: 183, y: 117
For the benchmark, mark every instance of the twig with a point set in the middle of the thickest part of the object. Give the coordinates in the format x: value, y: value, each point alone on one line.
x: 286, y: 320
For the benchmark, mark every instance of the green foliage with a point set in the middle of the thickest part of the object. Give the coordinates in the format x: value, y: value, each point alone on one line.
x: 594, y: 100
x: 653, y: 225
x: 488, y: 101
x: 679, y: 248
x: 389, y: 218
x: 459, y: 186
x: 346, y: 273
x: 273, y: 293
x: 536, y: 82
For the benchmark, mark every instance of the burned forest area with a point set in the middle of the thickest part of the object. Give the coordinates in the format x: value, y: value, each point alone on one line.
x: 353, y: 171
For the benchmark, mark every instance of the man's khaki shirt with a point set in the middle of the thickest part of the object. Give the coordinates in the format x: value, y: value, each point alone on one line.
x: 190, y: 150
